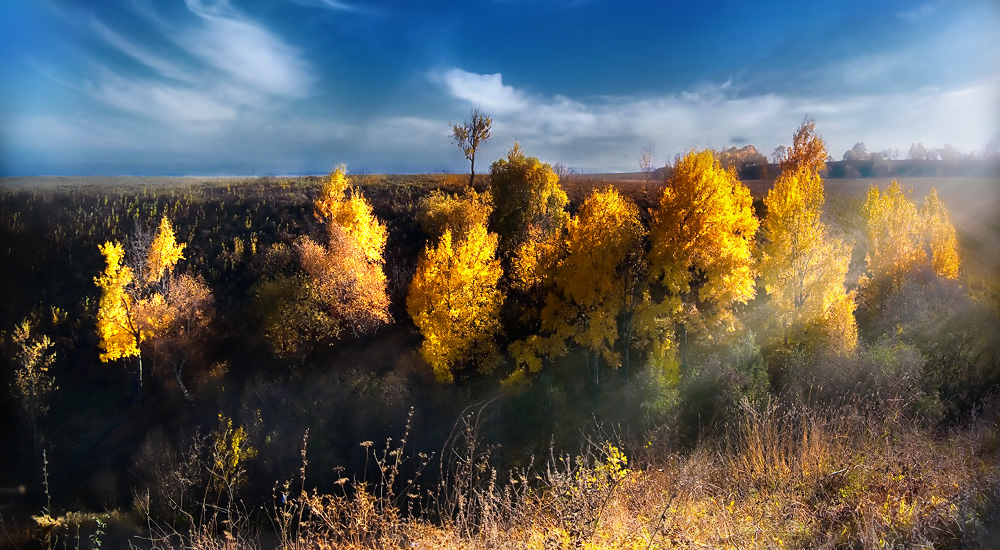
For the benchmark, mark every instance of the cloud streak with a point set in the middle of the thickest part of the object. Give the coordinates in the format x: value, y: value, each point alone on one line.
x: 605, y: 133
x: 223, y: 64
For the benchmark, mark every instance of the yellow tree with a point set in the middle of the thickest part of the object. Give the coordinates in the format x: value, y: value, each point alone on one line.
x: 117, y: 330
x: 528, y: 202
x: 353, y: 214
x: 454, y: 302
x: 180, y: 319
x: 940, y: 238
x: 344, y: 281
x: 344, y: 285
x: 903, y: 239
x: 133, y: 309
x: 439, y: 211
x: 592, y: 287
x: 808, y: 151
x: 32, y: 380
x: 164, y: 252
x: 803, y: 269
x: 701, y: 238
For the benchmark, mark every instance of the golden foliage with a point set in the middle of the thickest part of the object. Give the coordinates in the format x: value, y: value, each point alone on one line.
x: 32, y: 380
x: 802, y: 268
x: 439, y: 211
x: 589, y: 283
x: 527, y: 200
x: 350, y: 287
x: 454, y: 301
x: 700, y: 241
x: 231, y: 449
x: 328, y: 205
x: 154, y: 310
x: 353, y: 214
x: 940, y: 237
x: 903, y: 239
x: 164, y: 252
x: 344, y: 286
x: 894, y: 234
x: 117, y: 330
x: 808, y: 151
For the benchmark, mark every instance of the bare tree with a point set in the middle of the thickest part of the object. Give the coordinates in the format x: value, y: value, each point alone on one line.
x: 646, y: 164
x: 471, y: 136
x: 779, y: 154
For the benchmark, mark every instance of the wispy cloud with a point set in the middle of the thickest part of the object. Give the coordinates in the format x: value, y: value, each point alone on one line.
x: 336, y: 5
x: 217, y: 65
x: 606, y: 133
x: 159, y: 64
x: 245, y: 50
x: 919, y: 12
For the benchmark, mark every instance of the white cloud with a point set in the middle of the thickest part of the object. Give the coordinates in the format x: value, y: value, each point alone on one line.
x: 610, y: 133
x: 484, y: 90
x: 245, y: 51
x: 162, y: 66
x: 160, y: 100
x: 222, y: 64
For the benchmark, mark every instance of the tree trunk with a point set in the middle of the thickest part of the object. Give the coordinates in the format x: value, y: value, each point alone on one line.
x: 683, y: 343
x: 597, y: 375
x: 178, y: 372
x: 138, y: 379
x: 472, y: 170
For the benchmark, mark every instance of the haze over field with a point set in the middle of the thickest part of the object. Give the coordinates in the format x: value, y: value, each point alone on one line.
x: 234, y: 87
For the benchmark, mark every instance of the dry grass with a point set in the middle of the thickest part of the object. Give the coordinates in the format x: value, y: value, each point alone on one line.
x: 786, y: 477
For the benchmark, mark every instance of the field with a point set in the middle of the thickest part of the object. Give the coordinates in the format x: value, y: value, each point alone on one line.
x: 896, y: 446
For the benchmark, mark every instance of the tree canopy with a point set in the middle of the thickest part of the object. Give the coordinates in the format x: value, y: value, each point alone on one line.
x: 808, y: 150
x: 589, y: 284
x: 455, y: 303
x: 701, y: 238
x: 803, y: 269
x: 528, y: 202
x: 903, y: 239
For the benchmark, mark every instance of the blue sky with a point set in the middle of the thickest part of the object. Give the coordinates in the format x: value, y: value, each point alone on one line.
x: 202, y: 87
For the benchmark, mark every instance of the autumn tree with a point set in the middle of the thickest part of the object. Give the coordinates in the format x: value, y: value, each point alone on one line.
x: 181, y: 321
x: 439, y: 211
x: 342, y: 286
x: 455, y: 303
x: 701, y: 239
x: 803, y: 268
x: 903, y: 239
x: 117, y: 327
x: 350, y: 288
x: 596, y: 282
x: 32, y: 380
x: 808, y: 150
x: 350, y: 211
x: 471, y: 137
x: 940, y: 238
x: 143, y: 304
x: 528, y: 203
x: 136, y: 304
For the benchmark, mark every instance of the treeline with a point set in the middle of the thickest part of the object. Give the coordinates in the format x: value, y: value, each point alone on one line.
x: 857, y: 162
